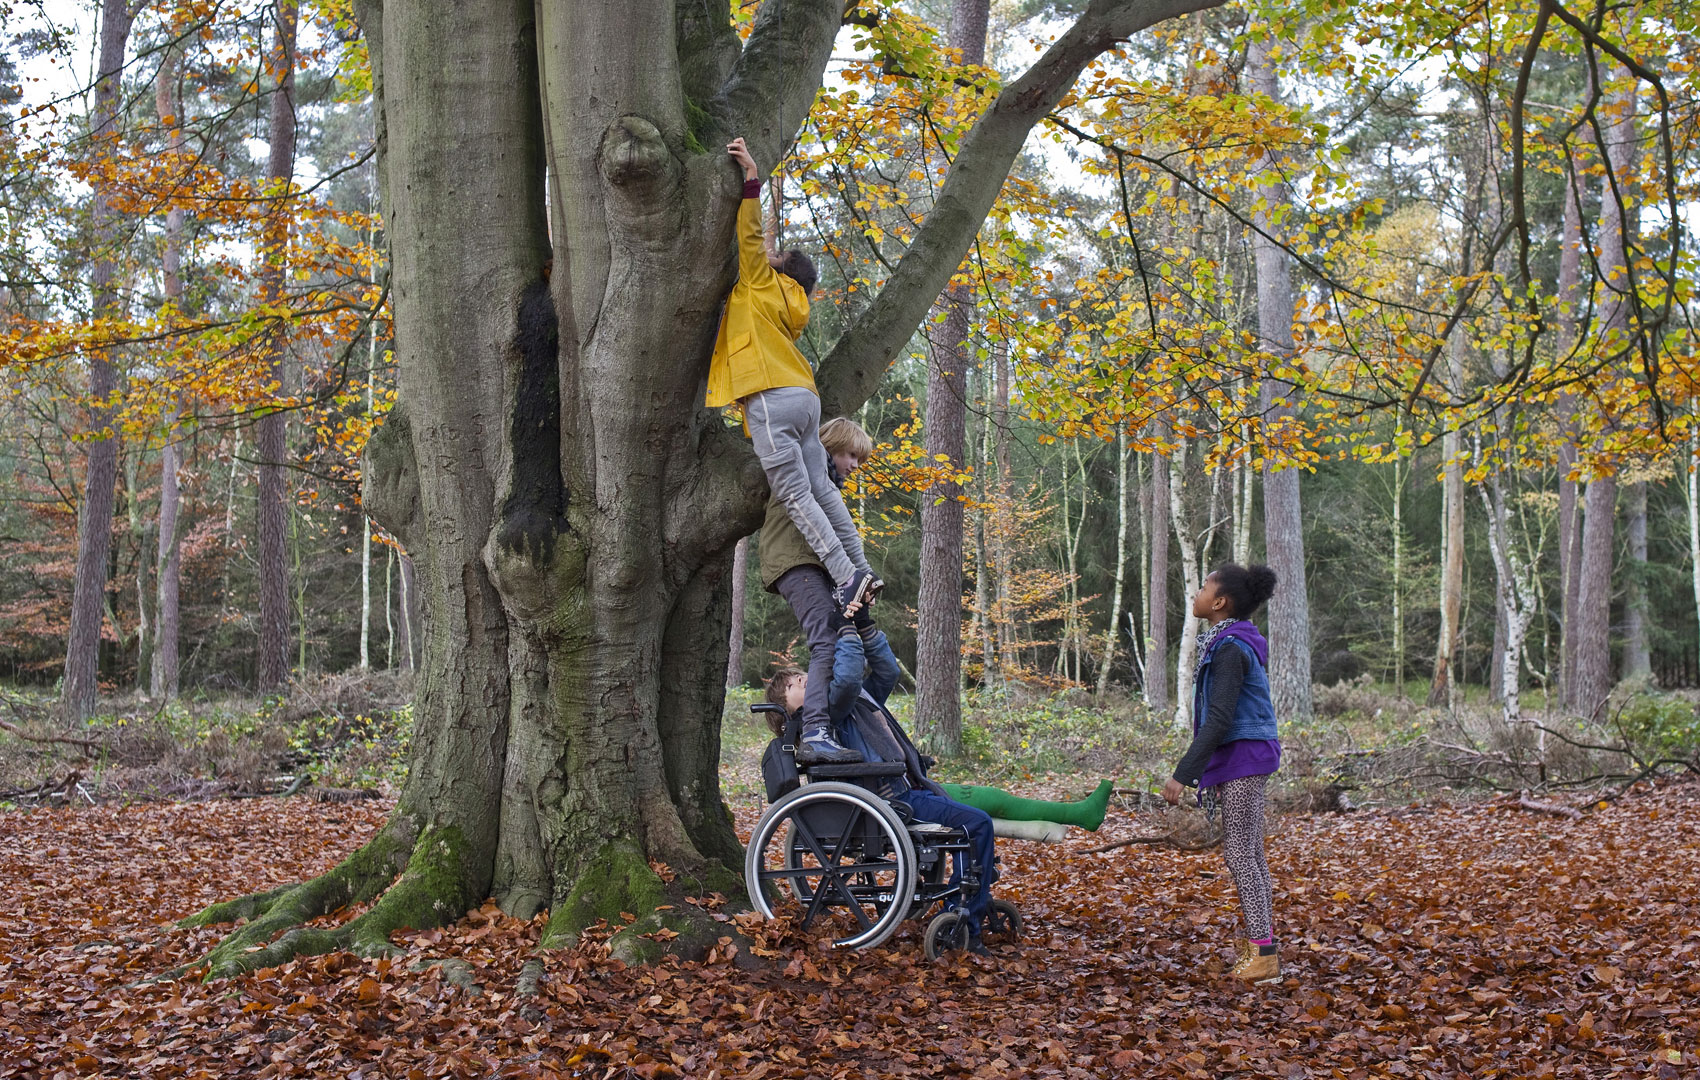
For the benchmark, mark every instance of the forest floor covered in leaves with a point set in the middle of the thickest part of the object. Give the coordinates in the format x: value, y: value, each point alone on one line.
x: 1437, y: 940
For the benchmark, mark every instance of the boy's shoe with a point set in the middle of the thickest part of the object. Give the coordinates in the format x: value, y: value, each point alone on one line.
x: 855, y: 591
x: 977, y: 946
x: 818, y: 747
x: 1258, y: 968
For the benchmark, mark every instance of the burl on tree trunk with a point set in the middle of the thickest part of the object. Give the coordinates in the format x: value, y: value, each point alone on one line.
x: 571, y: 505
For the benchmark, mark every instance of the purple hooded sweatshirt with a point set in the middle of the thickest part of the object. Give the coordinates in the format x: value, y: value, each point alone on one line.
x: 1242, y: 757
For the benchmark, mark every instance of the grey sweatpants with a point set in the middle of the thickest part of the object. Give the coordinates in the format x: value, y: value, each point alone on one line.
x: 785, y: 427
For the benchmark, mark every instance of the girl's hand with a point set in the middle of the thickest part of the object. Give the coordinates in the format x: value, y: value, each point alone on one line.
x: 741, y: 154
x: 1172, y: 791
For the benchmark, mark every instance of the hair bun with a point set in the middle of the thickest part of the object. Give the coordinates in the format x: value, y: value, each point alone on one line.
x: 1261, y: 580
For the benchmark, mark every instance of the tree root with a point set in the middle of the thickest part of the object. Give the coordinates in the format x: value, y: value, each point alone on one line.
x: 431, y: 891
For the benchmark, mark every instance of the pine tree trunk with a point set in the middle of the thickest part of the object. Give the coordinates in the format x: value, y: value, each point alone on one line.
x: 94, y: 518
x: 162, y: 678
x: 272, y: 512
x: 1637, y: 656
x: 1570, y: 299
x: 938, y: 633
x: 1593, y: 681
x: 1283, y: 519
x: 740, y: 590
x: 1441, y: 689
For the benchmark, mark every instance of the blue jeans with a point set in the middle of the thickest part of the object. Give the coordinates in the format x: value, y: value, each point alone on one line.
x: 978, y: 825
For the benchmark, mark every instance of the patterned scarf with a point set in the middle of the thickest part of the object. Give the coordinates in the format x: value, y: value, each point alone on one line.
x: 1205, y: 640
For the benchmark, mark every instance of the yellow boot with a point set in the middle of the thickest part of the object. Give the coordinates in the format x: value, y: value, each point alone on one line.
x: 1256, y: 967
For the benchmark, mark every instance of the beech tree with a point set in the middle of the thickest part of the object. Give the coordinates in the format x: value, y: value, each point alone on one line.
x: 560, y: 217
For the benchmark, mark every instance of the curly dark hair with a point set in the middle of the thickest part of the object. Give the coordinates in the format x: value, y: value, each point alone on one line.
x: 801, y: 269
x: 1246, y: 587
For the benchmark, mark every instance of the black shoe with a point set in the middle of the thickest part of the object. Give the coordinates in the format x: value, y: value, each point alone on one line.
x: 818, y: 747
x: 856, y: 590
x: 977, y: 946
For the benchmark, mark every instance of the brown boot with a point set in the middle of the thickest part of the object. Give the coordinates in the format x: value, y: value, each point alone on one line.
x: 1242, y: 949
x: 1258, y: 968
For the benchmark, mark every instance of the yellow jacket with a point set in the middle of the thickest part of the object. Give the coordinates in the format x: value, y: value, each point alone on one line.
x: 766, y: 312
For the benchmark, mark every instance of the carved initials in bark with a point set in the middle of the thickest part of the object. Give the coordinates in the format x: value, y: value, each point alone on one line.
x: 571, y: 506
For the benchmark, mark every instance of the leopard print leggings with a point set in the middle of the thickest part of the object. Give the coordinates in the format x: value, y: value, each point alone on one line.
x: 1242, y: 847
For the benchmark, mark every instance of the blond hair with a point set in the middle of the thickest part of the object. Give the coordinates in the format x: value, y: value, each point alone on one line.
x: 842, y: 435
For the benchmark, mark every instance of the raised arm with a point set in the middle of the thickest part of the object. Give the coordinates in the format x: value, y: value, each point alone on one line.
x: 849, y: 663
x: 882, y: 664
x: 754, y: 269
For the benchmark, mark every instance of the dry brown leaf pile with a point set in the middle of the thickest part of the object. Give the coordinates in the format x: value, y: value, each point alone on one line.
x: 1467, y: 941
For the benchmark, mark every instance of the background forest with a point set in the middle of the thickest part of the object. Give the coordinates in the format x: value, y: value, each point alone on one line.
x: 1479, y: 444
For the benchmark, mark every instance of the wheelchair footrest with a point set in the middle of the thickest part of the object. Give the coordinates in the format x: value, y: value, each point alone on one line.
x: 853, y: 771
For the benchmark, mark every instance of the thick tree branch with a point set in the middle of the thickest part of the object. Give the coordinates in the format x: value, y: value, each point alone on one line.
x: 853, y: 369
x: 774, y: 83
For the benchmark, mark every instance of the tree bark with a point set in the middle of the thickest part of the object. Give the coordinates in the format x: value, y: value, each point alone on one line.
x: 272, y: 512
x: 735, y: 639
x: 1283, y: 519
x: 1570, y: 299
x: 1120, y: 579
x: 1157, y: 625
x: 94, y: 520
x: 1637, y: 655
x: 1593, y: 680
x: 573, y: 507
x: 1190, y: 582
x: 162, y: 678
x: 938, y: 632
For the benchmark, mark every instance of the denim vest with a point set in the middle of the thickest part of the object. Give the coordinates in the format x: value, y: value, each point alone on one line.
x: 1254, y: 716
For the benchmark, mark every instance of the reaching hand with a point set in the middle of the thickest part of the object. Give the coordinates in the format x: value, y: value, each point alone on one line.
x: 1172, y: 791
x: 741, y: 154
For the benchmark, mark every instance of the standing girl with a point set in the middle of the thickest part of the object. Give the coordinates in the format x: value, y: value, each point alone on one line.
x: 1234, y: 748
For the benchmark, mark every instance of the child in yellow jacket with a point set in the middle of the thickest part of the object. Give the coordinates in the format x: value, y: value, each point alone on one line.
x: 756, y: 363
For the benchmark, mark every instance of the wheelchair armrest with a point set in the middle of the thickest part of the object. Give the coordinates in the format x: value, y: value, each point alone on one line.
x: 855, y: 771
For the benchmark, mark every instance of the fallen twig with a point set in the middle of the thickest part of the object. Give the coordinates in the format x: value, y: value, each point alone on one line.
x: 1525, y: 803
x: 87, y: 744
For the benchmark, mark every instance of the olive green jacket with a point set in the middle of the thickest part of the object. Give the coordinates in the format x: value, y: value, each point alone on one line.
x: 782, y: 546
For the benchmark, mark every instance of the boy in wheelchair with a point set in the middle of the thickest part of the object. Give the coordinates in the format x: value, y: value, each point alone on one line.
x: 864, y: 671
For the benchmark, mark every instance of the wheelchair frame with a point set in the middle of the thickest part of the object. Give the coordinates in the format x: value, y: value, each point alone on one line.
x: 836, y: 846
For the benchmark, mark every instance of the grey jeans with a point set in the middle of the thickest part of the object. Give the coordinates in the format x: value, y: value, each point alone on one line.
x: 785, y: 427
x: 809, y: 593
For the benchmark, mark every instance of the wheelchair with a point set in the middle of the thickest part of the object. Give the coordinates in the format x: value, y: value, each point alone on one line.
x: 858, y: 861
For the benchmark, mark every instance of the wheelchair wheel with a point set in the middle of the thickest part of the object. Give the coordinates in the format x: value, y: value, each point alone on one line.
x: 948, y: 932
x: 840, y: 850
x: 1003, y: 921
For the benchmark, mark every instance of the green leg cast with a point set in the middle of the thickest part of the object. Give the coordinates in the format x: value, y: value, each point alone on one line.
x: 1088, y: 813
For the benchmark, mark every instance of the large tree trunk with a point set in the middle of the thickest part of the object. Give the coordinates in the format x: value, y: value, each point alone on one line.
x: 1637, y: 655
x: 94, y: 520
x: 1157, y: 612
x: 168, y: 573
x: 270, y: 442
x: 572, y: 506
x: 938, y: 631
x: 1570, y: 299
x: 1593, y: 681
x: 1119, y: 584
x: 1283, y: 520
